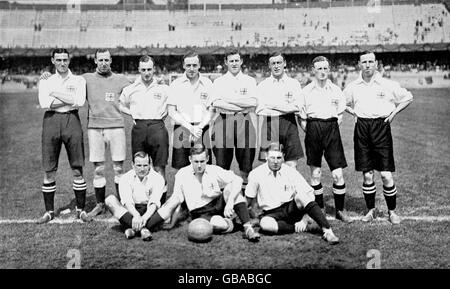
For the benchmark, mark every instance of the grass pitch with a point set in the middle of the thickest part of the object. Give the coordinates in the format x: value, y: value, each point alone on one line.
x: 421, y: 137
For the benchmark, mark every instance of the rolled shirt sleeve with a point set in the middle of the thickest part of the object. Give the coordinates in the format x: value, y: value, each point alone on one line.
x: 157, y: 191
x: 400, y: 94
x: 252, y: 187
x: 80, y: 93
x: 45, y: 100
x: 178, y: 188
x: 125, y: 192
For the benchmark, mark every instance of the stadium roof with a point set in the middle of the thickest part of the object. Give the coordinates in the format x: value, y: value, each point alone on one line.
x: 121, y: 51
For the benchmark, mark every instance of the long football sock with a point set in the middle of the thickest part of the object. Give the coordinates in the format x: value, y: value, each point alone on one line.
x: 48, y: 191
x: 314, y: 211
x: 154, y: 220
x: 390, y: 195
x: 318, y: 193
x: 100, y: 194
x: 79, y: 188
x: 126, y: 220
x: 339, y: 196
x: 285, y: 228
x: 369, y: 195
x: 242, y: 212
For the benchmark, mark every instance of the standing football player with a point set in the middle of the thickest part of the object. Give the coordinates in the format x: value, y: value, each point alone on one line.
x: 374, y: 101
x: 188, y: 99
x: 61, y: 95
x: 234, y: 97
x: 106, y: 126
x: 146, y: 102
x: 322, y: 106
x: 278, y: 98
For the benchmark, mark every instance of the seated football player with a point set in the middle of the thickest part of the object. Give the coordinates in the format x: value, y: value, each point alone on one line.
x: 210, y: 192
x: 285, y: 197
x: 140, y: 192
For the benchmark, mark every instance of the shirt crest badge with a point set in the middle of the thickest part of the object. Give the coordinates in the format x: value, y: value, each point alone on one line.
x: 157, y: 95
x: 289, y: 97
x: 203, y: 95
x: 243, y: 91
x: 109, y: 96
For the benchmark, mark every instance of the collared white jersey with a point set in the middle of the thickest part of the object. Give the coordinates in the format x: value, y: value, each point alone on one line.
x: 146, y: 102
x: 271, y: 91
x: 377, y: 98
x: 74, y: 85
x: 273, y: 191
x: 229, y: 86
x: 134, y: 191
x: 197, y: 194
x: 191, y: 100
x: 321, y: 102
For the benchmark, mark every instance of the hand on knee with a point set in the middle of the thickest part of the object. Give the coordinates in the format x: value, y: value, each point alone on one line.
x: 268, y: 224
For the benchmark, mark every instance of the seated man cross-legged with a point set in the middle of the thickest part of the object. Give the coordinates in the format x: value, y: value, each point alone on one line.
x: 210, y: 192
x: 140, y: 192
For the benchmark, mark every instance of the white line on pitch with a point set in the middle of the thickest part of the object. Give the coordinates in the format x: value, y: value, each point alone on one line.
x: 113, y: 220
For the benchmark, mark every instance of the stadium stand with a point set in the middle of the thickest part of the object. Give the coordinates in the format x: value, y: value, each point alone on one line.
x: 404, y: 23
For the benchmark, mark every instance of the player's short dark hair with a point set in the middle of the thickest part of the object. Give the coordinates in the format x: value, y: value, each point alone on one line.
x: 146, y: 58
x: 192, y: 54
x: 232, y: 51
x: 142, y: 155
x: 101, y: 50
x: 367, y: 52
x: 319, y: 59
x: 275, y: 147
x: 275, y: 54
x: 59, y: 50
x: 198, y: 149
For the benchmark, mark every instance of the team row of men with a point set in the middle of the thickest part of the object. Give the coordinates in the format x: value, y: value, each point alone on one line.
x: 222, y: 116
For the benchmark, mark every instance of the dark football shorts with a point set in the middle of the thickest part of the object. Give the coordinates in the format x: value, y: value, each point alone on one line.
x: 215, y: 207
x: 323, y: 138
x: 62, y: 128
x: 282, y: 129
x: 182, y: 145
x: 234, y: 132
x: 373, y: 145
x: 151, y: 136
x: 288, y: 212
x: 141, y: 208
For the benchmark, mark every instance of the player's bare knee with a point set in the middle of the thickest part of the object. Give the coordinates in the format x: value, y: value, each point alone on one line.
x: 219, y: 224
x: 269, y: 224
x: 316, y: 175
x: 49, y: 177
x: 118, y: 168
x: 77, y: 173
x: 368, y: 177
x: 387, y: 179
x: 338, y: 176
x: 292, y: 164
